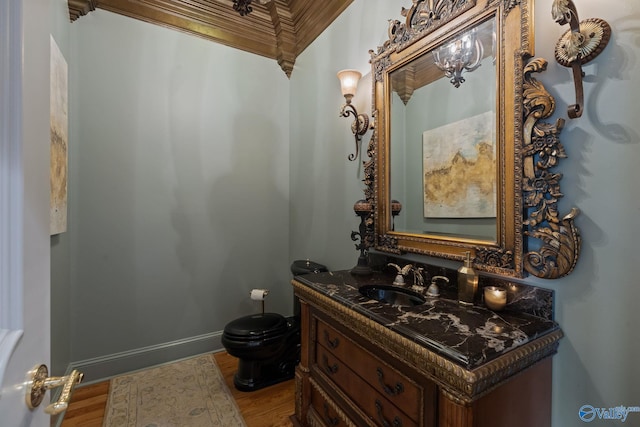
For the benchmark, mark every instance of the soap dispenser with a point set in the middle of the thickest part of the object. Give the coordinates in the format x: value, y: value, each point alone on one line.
x: 467, y: 282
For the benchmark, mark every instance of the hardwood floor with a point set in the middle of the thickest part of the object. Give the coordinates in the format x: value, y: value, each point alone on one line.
x: 269, y: 407
x: 87, y: 406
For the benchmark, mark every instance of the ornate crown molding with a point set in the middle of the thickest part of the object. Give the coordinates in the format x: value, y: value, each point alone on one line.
x: 278, y: 29
x: 78, y: 8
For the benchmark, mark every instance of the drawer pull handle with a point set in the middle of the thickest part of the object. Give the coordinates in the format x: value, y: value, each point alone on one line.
x: 331, y: 369
x: 396, y: 421
x: 331, y: 343
x: 332, y: 421
x: 391, y: 391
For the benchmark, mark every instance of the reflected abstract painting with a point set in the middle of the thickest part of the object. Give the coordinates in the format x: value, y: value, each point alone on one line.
x: 459, y: 161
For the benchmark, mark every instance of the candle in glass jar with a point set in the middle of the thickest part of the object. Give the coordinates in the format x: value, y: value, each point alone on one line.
x: 495, y: 298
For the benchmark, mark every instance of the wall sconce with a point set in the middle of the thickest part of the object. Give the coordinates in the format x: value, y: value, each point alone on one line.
x: 462, y: 54
x: 580, y: 44
x: 348, y: 84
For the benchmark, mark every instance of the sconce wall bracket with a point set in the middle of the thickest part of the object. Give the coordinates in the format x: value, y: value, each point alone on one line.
x: 580, y: 44
x: 358, y: 127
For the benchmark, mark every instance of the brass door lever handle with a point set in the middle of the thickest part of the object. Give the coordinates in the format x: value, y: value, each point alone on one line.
x: 40, y: 382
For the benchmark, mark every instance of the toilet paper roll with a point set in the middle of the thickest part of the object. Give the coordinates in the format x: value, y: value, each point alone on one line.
x: 259, y: 294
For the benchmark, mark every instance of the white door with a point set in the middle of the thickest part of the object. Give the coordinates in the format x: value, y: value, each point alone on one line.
x: 24, y: 205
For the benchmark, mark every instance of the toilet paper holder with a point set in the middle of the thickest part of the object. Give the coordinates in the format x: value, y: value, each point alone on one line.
x: 259, y: 295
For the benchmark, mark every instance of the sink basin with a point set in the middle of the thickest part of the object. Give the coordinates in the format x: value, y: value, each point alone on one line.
x: 392, y: 295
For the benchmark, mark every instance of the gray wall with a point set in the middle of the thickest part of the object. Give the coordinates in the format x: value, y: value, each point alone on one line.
x: 324, y: 184
x: 596, y: 304
x: 179, y: 192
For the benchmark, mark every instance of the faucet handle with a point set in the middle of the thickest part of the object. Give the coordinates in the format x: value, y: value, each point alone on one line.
x: 396, y: 266
x: 433, y: 290
x: 399, y: 280
x: 402, y: 271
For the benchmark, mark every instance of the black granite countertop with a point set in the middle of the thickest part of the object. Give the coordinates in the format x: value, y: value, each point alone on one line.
x: 468, y: 335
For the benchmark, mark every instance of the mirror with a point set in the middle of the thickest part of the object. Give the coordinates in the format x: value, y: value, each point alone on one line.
x: 459, y: 160
x: 443, y: 154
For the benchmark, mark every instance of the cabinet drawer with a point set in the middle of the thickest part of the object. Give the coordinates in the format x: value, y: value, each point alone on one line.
x: 326, y: 411
x: 395, y: 387
x: 376, y: 406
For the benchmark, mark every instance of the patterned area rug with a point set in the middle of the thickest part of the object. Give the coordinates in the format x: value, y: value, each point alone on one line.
x: 187, y: 393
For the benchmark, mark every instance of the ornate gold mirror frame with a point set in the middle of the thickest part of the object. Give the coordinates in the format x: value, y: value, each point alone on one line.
x: 531, y: 235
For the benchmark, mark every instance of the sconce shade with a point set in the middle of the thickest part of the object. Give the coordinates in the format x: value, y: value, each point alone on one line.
x: 349, y: 82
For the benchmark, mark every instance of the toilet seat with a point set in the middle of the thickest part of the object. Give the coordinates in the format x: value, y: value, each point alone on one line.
x: 256, y: 327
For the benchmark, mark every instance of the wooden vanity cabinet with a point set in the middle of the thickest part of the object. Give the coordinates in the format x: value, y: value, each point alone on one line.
x: 347, y: 376
x: 348, y: 379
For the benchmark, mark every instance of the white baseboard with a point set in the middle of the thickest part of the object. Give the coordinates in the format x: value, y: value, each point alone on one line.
x: 106, y: 367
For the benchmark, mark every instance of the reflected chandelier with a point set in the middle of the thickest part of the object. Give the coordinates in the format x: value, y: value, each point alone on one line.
x: 462, y: 54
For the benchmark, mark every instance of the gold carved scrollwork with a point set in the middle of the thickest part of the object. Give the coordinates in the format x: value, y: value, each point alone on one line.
x: 494, y: 258
x: 369, y: 167
x: 421, y: 19
x: 388, y: 244
x: 510, y: 4
x: 426, y: 15
x: 561, y: 241
x: 532, y: 236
